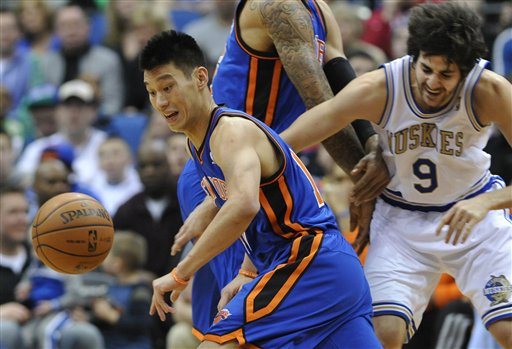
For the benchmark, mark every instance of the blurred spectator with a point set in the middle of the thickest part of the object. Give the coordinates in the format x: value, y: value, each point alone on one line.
x: 10, y: 126
x: 75, y: 114
x: 363, y: 60
x: 136, y: 23
x: 77, y: 57
x: 180, y: 335
x: 36, y: 22
x: 378, y: 29
x: 40, y: 102
x: 14, y: 260
x: 50, y: 295
x: 15, y: 65
x: 122, y: 313
x: 6, y: 159
x: 502, y: 53
x: 117, y: 181
x: 155, y: 214
x: 157, y: 128
x: 350, y: 18
x: 177, y: 153
x: 53, y: 176
x: 212, y: 30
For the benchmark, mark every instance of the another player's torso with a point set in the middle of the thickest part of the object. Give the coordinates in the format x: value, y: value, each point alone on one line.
x: 436, y: 158
x: 256, y: 82
x: 291, y: 205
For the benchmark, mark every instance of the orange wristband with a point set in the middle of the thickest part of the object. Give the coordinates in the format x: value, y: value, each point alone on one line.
x: 177, y: 279
x: 248, y: 273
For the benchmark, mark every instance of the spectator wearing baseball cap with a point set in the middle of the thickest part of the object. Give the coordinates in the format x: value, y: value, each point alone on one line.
x: 41, y: 102
x: 75, y: 115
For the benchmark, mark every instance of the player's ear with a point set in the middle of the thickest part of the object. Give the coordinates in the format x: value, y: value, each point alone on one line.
x: 201, y: 76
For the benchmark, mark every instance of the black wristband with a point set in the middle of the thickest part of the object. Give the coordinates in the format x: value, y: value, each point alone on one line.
x: 339, y: 73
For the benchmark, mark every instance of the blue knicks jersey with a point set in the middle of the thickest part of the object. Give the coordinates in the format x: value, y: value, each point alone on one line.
x: 291, y: 205
x: 256, y: 82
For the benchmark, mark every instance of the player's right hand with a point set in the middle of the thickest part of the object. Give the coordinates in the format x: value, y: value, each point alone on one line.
x: 161, y: 286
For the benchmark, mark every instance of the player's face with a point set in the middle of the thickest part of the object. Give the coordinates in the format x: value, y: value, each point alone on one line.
x: 13, y: 218
x: 435, y: 81
x: 173, y: 94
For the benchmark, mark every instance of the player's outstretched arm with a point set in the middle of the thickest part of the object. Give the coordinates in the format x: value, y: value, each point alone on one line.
x: 363, y: 98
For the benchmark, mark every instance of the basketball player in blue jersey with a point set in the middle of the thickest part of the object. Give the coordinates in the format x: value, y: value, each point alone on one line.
x: 442, y: 211
x: 308, y: 288
x: 280, y: 59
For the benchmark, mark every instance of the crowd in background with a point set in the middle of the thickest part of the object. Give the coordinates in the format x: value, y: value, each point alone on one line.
x: 74, y: 116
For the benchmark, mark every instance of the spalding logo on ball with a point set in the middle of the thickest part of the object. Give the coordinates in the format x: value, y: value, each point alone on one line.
x: 72, y: 233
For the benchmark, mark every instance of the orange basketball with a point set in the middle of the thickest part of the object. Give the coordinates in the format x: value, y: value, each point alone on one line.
x: 72, y: 233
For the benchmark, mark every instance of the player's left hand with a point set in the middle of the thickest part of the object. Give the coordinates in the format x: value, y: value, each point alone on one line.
x: 461, y: 219
x: 360, y: 218
x: 375, y: 177
x: 161, y: 286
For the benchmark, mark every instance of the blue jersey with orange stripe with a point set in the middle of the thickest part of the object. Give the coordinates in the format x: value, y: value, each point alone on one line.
x: 291, y: 205
x: 256, y: 82
x: 310, y: 283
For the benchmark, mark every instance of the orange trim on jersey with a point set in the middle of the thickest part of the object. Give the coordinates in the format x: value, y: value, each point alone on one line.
x: 237, y: 335
x: 274, y: 89
x: 252, y: 315
x: 251, y: 86
x: 198, y: 334
x: 319, y: 197
x: 289, y: 207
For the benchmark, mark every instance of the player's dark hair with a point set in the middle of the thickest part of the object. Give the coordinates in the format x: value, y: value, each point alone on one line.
x: 446, y: 29
x: 172, y: 47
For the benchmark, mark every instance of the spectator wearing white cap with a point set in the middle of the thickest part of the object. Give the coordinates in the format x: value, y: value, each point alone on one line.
x: 75, y: 115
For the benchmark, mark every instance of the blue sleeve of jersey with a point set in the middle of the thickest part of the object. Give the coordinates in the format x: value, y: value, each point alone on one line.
x: 190, y: 192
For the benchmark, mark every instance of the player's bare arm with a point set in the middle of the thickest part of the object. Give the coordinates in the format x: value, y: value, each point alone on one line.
x: 493, y: 104
x: 285, y: 26
x: 369, y: 90
x: 242, y: 152
x: 232, y: 146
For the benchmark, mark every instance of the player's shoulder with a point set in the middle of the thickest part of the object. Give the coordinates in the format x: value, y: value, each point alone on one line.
x: 490, y: 86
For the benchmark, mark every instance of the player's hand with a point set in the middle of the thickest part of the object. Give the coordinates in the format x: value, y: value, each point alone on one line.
x: 161, y: 286
x: 375, y: 177
x: 360, y: 218
x: 231, y: 289
x: 461, y: 219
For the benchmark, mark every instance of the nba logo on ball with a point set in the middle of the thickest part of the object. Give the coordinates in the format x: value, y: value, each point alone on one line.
x: 72, y: 233
x: 93, y: 240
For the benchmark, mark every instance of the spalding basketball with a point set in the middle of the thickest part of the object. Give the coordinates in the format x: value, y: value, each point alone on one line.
x: 72, y: 233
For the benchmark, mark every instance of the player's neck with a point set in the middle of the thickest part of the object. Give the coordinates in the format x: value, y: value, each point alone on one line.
x: 198, y: 131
